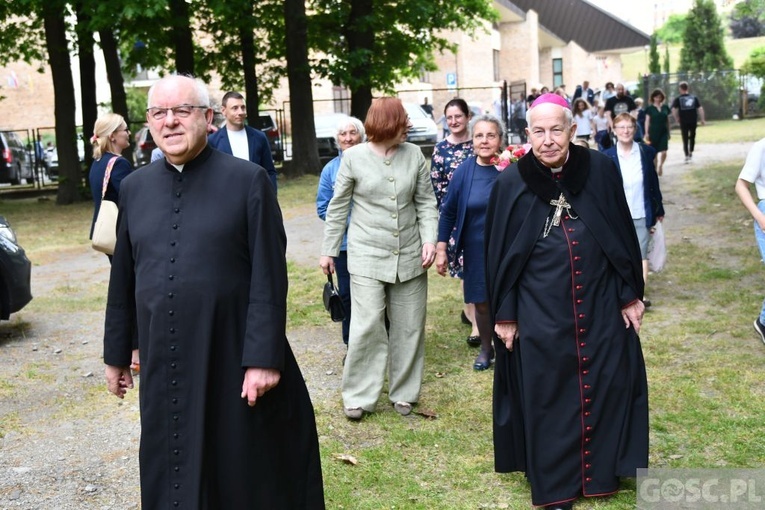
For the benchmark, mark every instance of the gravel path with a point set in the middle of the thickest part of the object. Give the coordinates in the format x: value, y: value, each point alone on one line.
x: 66, y: 444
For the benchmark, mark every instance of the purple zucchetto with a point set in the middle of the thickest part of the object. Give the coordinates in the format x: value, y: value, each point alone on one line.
x: 550, y: 98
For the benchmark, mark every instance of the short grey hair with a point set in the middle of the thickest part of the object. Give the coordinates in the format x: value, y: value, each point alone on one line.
x: 203, y: 95
x: 487, y: 117
x: 350, y: 121
x: 567, y: 111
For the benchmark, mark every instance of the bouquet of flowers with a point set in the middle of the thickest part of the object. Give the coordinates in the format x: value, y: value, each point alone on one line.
x: 510, y: 155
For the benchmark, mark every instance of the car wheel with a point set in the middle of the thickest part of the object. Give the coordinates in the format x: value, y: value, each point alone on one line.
x: 16, y: 179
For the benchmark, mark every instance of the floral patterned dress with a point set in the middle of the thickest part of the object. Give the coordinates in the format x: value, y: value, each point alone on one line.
x: 446, y: 158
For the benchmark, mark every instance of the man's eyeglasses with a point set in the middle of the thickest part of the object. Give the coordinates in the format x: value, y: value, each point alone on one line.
x: 181, y: 111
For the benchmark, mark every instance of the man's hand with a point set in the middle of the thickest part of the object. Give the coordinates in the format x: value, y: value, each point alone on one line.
x: 257, y: 381
x: 118, y: 380
x: 428, y: 254
x: 633, y: 315
x: 507, y: 332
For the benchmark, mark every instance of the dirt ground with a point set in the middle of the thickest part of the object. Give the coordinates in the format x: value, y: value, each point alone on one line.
x: 66, y: 444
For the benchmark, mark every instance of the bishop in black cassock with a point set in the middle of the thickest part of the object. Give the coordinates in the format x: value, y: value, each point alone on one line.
x: 565, y: 287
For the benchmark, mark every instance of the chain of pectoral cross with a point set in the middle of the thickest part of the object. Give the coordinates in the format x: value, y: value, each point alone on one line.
x: 559, y: 204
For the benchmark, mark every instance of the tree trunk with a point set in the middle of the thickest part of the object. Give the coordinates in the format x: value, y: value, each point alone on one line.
x: 70, y: 173
x: 182, y: 37
x: 85, y: 43
x: 248, y: 65
x: 305, y: 154
x: 117, y: 84
x: 360, y: 40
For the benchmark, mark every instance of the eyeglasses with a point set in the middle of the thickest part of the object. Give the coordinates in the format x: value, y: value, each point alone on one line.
x: 181, y: 111
x: 624, y: 128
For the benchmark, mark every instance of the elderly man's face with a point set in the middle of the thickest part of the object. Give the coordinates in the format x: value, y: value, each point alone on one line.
x: 180, y: 134
x: 550, y: 133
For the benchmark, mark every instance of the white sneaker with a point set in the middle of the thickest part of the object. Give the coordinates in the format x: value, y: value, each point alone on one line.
x: 759, y: 329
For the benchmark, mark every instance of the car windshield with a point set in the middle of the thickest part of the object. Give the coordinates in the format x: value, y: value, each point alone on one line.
x: 263, y: 122
x: 415, y: 112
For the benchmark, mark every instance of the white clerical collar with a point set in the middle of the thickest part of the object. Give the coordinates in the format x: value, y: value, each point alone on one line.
x: 560, y: 168
x: 178, y: 167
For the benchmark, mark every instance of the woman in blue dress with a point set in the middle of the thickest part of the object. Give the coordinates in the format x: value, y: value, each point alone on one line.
x: 463, y: 214
x: 448, y: 154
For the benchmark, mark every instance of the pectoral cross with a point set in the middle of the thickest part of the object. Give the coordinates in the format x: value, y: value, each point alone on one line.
x: 559, y: 204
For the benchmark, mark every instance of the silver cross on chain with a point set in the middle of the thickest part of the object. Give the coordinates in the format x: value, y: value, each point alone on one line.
x: 559, y: 205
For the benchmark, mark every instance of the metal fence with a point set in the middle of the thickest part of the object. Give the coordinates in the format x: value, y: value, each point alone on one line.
x: 723, y: 94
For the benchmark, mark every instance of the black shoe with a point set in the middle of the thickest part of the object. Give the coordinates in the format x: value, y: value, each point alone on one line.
x: 647, y: 303
x: 760, y: 329
x: 474, y: 341
x: 559, y: 506
x: 483, y: 364
x: 465, y: 319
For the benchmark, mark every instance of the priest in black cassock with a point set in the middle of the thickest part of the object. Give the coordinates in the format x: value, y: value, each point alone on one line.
x: 199, y: 274
x: 565, y: 287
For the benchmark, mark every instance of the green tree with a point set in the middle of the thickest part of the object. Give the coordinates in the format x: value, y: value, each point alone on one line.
x: 747, y: 19
x: 305, y: 154
x: 666, y: 59
x: 53, y: 16
x: 755, y: 63
x: 370, y: 45
x: 248, y: 53
x: 703, y: 44
x: 654, y: 66
x: 672, y: 31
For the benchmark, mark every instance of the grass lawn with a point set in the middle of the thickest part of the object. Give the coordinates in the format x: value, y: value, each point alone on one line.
x: 635, y: 64
x: 704, y: 361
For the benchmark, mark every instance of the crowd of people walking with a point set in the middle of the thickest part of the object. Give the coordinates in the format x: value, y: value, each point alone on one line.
x: 549, y: 241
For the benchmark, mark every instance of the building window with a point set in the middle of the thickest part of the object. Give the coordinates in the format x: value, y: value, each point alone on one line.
x: 557, y: 72
x: 496, y: 65
x: 424, y: 76
x: 341, y: 98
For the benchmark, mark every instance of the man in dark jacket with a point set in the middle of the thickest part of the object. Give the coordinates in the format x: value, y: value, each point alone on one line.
x: 199, y: 275
x: 565, y: 286
x: 240, y: 140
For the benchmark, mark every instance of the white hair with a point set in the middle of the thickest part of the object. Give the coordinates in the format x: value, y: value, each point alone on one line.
x: 203, y: 95
x: 350, y: 121
x: 486, y: 117
x: 569, y: 115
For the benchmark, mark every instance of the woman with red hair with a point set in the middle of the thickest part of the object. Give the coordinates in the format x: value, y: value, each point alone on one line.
x: 391, y: 244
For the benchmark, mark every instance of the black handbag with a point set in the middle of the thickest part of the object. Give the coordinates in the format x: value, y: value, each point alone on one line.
x: 332, y: 301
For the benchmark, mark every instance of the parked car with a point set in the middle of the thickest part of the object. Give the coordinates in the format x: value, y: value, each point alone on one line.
x: 144, y: 144
x: 326, y: 129
x: 15, y: 273
x: 266, y: 123
x: 51, y: 159
x: 16, y: 163
x: 424, y: 130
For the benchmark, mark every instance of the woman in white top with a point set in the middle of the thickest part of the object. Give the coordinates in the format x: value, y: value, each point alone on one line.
x: 583, y: 119
x: 601, y: 125
x: 635, y: 160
